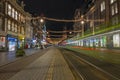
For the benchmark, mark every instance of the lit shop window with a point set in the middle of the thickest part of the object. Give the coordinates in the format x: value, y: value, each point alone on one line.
x: 9, y: 10
x: 112, y: 1
x: 102, y: 6
x: 2, y: 42
x: 91, y: 43
x: 116, y: 40
x: 96, y: 41
x: 9, y: 24
x: 103, y: 41
x: 13, y: 10
x: 87, y: 43
x: 81, y: 42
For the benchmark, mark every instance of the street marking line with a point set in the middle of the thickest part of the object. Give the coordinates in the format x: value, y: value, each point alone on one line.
x: 82, y: 78
x: 49, y: 74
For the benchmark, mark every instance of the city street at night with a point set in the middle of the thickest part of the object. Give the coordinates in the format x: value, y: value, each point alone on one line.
x: 60, y: 64
x: 59, y: 39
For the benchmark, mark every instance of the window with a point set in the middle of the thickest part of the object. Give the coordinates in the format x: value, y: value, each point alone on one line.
x: 112, y: 1
x: 16, y: 15
x: 9, y: 24
x: 116, y: 40
x: 19, y: 16
x: 22, y: 19
x: 115, y: 20
x: 1, y: 22
x: 9, y: 10
x: 102, y: 6
x: 22, y: 30
x: 13, y: 11
x: 18, y: 29
x: 114, y: 9
x: 13, y: 28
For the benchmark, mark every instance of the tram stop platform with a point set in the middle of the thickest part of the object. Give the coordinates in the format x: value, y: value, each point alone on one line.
x: 50, y: 66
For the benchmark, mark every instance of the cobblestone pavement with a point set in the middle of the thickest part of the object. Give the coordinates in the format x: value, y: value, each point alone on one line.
x: 8, y: 70
x: 50, y: 66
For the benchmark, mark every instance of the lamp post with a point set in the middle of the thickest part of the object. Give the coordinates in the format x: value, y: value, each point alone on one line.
x: 42, y: 22
x: 93, y: 28
x: 82, y: 22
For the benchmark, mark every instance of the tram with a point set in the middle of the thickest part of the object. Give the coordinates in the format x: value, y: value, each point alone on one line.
x: 106, y: 40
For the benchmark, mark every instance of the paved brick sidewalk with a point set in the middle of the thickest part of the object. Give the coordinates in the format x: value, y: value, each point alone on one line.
x: 7, y: 57
x: 50, y: 66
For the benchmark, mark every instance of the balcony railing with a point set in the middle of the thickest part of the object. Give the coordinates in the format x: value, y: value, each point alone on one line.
x: 102, y: 29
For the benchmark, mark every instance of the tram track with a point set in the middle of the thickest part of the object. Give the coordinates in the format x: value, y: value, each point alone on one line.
x: 87, y: 70
x: 76, y: 73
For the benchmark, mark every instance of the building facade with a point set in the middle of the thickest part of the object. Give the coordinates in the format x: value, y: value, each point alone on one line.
x: 77, y: 27
x: 2, y: 29
x: 108, y: 10
x: 102, y: 25
x: 77, y: 16
x: 28, y: 31
x: 39, y: 32
x: 14, y: 24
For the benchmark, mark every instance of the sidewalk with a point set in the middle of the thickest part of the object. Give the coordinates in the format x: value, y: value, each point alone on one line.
x: 7, y: 57
x: 50, y: 66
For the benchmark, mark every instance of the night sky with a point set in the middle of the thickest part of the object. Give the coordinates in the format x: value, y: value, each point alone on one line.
x: 59, y: 9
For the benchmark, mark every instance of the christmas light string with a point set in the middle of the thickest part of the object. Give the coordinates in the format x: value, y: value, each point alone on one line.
x: 65, y: 20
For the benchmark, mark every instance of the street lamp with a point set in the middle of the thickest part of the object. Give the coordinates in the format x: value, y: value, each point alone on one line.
x: 70, y: 32
x: 82, y: 22
x: 41, y: 20
x: 93, y: 28
x: 42, y: 30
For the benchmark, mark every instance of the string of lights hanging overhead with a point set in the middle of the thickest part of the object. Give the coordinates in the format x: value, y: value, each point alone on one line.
x: 58, y: 35
x: 41, y: 19
x: 67, y: 31
x: 66, y: 20
x: 76, y: 20
x: 62, y: 31
x: 61, y: 20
